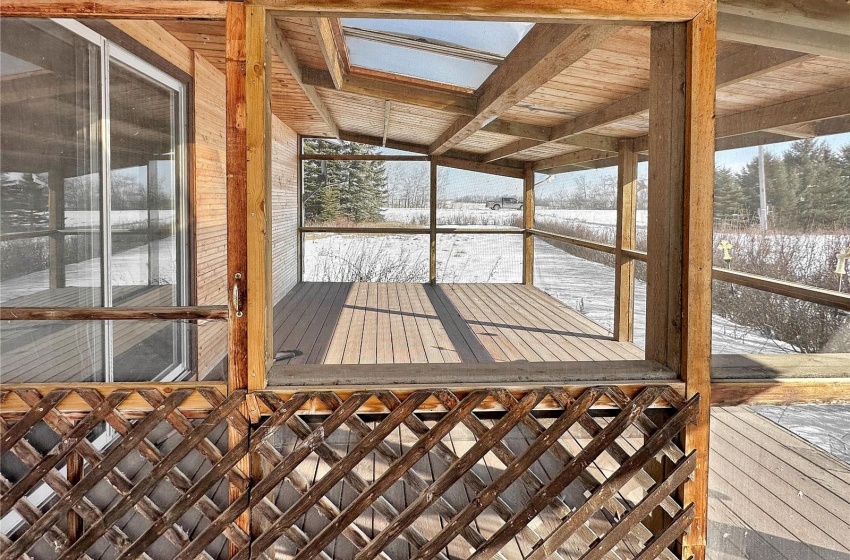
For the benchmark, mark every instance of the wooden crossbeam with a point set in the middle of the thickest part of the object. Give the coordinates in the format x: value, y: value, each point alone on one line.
x: 281, y: 48
x: 742, y: 65
x: 542, y: 54
x: 116, y: 9
x: 329, y: 34
x: 783, y: 35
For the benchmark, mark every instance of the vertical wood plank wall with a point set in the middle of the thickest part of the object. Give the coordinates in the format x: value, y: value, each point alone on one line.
x: 210, y: 182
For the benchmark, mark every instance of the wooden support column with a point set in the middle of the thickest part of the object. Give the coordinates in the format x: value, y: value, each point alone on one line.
x: 258, y: 171
x: 624, y: 290
x: 681, y: 144
x: 432, y: 221
x: 527, y: 225
x: 237, y: 228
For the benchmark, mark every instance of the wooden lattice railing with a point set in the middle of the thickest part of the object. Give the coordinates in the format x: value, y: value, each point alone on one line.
x: 582, y: 482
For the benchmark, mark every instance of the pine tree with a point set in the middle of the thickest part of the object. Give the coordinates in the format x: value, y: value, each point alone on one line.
x: 24, y: 202
x: 729, y: 199
x: 823, y: 194
x: 352, y: 190
x: 781, y: 194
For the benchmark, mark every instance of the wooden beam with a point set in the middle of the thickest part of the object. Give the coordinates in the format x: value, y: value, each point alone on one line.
x: 480, y: 167
x: 571, y: 158
x: 200, y: 313
x: 820, y: 15
x: 820, y: 296
x: 826, y: 105
x: 432, y: 223
x: 237, y: 224
x: 596, y: 246
x: 761, y: 367
x: 782, y: 35
x: 780, y: 392
x: 546, y: 51
x: 520, y: 130
x: 412, y: 94
x: 259, y: 164
x: 115, y: 9
x: 744, y: 64
x: 284, y: 51
x: 514, y: 10
x: 698, y: 220
x: 237, y: 201
x: 624, y: 280
x: 528, y: 226
x: 323, y: 27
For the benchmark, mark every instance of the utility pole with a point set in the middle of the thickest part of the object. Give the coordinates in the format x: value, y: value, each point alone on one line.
x: 762, y: 192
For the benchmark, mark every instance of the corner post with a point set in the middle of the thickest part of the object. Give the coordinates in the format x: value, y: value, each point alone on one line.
x: 528, y: 225
x: 681, y: 147
x: 624, y: 279
x: 237, y: 234
x: 258, y: 176
x: 432, y: 221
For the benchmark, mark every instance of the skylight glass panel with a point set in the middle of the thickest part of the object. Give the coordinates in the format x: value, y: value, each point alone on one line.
x: 494, y: 37
x: 417, y: 63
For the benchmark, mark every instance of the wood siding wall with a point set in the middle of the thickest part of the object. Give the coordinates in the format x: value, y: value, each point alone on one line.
x: 210, y: 208
x: 210, y: 187
x: 284, y: 212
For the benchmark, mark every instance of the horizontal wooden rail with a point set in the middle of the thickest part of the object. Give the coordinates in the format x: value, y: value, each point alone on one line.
x: 575, y: 241
x: 377, y: 229
x: 115, y: 9
x: 794, y: 290
x: 412, y: 230
x: 780, y: 392
x: 635, y: 254
x: 63, y: 232
x: 361, y: 157
x: 209, y: 312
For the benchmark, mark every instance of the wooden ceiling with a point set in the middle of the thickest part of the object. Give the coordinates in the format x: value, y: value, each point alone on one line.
x: 575, y: 105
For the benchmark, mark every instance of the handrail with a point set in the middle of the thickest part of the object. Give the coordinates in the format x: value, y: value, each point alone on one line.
x: 575, y: 241
x: 196, y: 313
x: 412, y: 230
x: 794, y: 290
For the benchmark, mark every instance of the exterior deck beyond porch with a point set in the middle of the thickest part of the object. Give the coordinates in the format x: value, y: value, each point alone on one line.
x: 392, y: 323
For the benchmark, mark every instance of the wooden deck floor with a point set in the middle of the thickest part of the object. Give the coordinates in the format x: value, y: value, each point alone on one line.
x: 773, y: 495
x: 389, y: 323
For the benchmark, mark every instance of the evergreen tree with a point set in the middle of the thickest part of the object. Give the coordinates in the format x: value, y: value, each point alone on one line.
x: 729, y: 199
x: 823, y: 194
x: 24, y: 202
x: 352, y: 190
x: 781, y: 194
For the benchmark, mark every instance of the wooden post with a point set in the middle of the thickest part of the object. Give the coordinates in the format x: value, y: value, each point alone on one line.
x: 237, y: 227
x: 528, y: 224
x: 258, y: 171
x: 624, y: 282
x: 432, y: 221
x: 681, y: 144
x: 56, y: 222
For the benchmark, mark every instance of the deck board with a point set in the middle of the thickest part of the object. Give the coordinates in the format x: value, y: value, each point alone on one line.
x: 395, y: 323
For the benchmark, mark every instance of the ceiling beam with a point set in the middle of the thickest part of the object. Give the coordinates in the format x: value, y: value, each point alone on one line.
x: 742, y: 65
x: 820, y: 15
x: 546, y: 51
x: 571, y: 158
x: 732, y: 27
x: 116, y: 9
x: 326, y: 34
x: 432, y: 98
x: 813, y: 108
x: 454, y: 158
x: 281, y: 48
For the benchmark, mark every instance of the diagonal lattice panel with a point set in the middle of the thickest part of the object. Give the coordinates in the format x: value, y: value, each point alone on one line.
x: 102, y: 482
x: 353, y: 485
x: 139, y: 472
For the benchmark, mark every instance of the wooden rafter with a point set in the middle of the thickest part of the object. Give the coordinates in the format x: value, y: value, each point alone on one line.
x: 281, y: 48
x: 116, y: 9
x: 742, y: 65
x: 756, y: 31
x: 546, y: 51
x: 327, y: 35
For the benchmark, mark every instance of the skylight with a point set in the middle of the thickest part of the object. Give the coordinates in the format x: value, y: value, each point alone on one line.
x: 461, y: 53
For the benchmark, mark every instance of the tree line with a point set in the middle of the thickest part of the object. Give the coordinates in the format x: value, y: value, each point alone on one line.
x: 807, y: 186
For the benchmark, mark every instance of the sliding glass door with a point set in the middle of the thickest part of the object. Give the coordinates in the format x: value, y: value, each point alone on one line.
x: 73, y: 105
